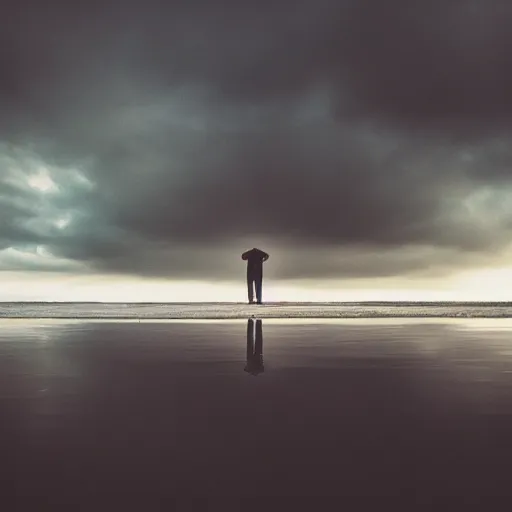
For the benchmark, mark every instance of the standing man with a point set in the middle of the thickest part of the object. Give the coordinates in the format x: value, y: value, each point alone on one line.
x: 255, y: 258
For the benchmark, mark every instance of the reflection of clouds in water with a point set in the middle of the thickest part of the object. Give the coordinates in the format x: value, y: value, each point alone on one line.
x: 447, y: 363
x: 483, y: 324
x: 468, y: 366
x: 39, y: 368
x: 29, y: 329
x: 54, y: 365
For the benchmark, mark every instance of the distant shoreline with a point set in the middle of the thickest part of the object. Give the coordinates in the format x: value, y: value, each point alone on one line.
x: 227, y: 310
x: 280, y: 303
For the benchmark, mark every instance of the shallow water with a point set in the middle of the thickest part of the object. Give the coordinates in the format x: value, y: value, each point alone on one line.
x: 113, y: 415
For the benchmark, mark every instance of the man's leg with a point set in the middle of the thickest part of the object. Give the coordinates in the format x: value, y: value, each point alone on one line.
x: 250, y: 290
x: 259, y: 282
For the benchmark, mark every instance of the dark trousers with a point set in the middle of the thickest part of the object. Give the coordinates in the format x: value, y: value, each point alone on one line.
x: 254, y: 280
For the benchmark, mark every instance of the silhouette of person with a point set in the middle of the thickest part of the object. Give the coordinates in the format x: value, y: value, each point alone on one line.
x: 254, y: 364
x: 255, y: 258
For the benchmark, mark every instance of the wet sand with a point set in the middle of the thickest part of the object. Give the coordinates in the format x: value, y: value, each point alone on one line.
x: 233, y: 310
x: 222, y: 415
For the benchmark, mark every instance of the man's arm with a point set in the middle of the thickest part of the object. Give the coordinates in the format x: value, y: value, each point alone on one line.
x: 245, y: 255
x: 264, y: 256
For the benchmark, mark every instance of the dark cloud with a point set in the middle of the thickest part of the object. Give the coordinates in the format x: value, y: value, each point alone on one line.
x: 370, y: 136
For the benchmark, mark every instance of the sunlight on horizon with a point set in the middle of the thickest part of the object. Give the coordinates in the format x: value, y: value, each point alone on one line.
x: 483, y: 285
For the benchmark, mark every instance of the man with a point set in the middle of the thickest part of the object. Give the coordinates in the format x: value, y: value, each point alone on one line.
x: 255, y: 258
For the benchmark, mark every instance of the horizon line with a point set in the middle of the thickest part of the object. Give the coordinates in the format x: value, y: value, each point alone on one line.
x: 486, y: 301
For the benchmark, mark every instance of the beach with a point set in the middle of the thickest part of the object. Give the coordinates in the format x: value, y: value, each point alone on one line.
x: 146, y: 415
x: 238, y: 310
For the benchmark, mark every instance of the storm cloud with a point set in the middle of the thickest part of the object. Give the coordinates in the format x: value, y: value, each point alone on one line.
x: 348, y: 138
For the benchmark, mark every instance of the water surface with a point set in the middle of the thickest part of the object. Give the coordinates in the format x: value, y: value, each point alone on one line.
x: 112, y: 415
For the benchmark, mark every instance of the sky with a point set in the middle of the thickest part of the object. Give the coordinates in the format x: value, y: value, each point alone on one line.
x: 365, y: 145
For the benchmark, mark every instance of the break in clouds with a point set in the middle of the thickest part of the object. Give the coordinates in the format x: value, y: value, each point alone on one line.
x: 346, y: 138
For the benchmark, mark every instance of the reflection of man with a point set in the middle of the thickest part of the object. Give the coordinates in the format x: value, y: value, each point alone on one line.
x: 255, y: 258
x: 254, y: 364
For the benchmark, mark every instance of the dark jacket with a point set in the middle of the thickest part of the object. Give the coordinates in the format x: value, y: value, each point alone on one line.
x: 255, y: 258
